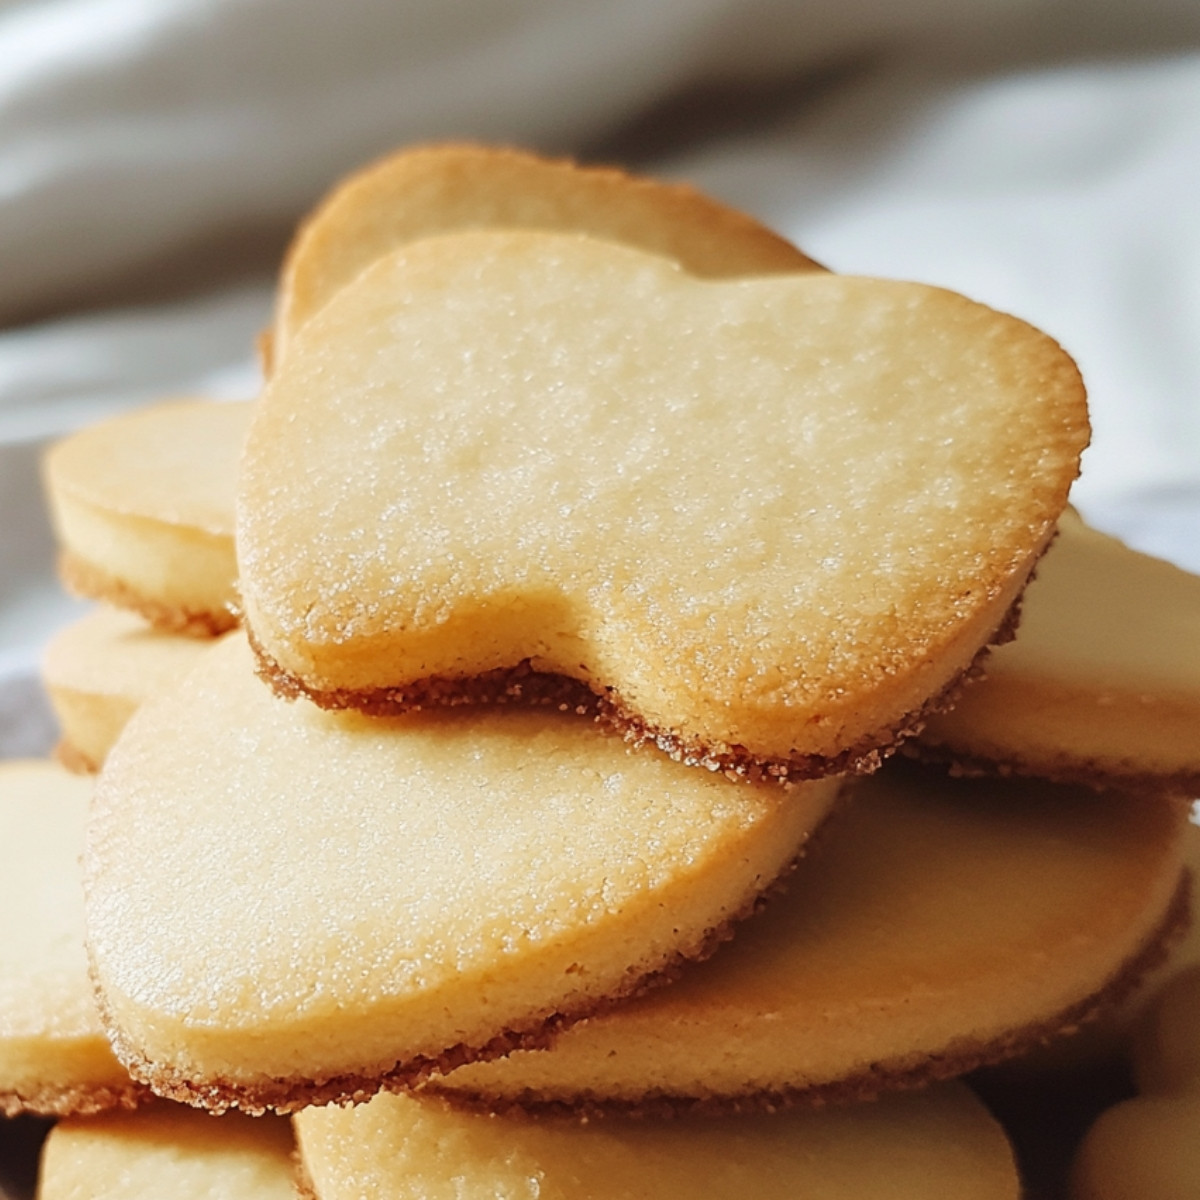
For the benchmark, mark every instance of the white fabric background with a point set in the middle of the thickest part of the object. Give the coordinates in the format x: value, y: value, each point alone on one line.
x: 1041, y: 156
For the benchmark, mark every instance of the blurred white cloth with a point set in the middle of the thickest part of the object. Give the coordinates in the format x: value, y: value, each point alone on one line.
x: 1041, y: 157
x: 130, y: 126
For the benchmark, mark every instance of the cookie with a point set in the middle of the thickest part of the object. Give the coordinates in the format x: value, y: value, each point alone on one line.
x: 1147, y: 1146
x: 100, y: 669
x: 1103, y: 684
x: 1166, y: 1047
x: 1104, y: 1044
x: 143, y: 508
x: 168, y: 1151
x: 54, y: 1057
x: 340, y: 901
x: 934, y: 926
x: 441, y: 188
x: 942, y: 1142
x: 1142, y: 1149
x: 766, y: 521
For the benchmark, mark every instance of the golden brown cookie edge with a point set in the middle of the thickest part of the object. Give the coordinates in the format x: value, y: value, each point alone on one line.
x: 286, y: 1096
x: 89, y: 582
x: 957, y: 1058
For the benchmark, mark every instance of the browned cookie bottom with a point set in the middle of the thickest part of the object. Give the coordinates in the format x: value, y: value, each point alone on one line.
x: 521, y: 684
x: 292, y: 1094
x: 912, y: 1071
x: 1185, y: 784
x: 77, y: 1100
x: 90, y: 582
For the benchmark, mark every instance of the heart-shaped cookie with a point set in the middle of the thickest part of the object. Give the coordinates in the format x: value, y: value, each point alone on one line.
x: 54, y: 1057
x: 940, y: 1142
x: 1102, y: 686
x: 937, y: 925
x: 767, y: 519
x: 143, y: 509
x: 97, y: 672
x: 167, y: 1150
x: 434, y: 189
x: 338, y: 901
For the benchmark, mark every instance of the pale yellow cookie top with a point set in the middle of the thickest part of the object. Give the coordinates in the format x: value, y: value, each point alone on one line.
x: 54, y: 1057
x: 336, y: 895
x: 110, y: 652
x: 174, y: 462
x: 433, y: 189
x: 932, y: 917
x: 776, y: 513
x: 44, y: 988
x: 168, y: 1153
x: 1104, y: 676
x: 941, y: 1142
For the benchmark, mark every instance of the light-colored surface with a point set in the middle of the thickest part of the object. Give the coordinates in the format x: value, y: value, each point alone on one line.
x: 334, y: 894
x: 52, y: 1050
x: 174, y: 462
x: 1145, y: 1147
x: 100, y: 669
x: 441, y: 188
x: 152, y: 123
x: 1104, y: 676
x: 145, y: 500
x: 940, y: 1143
x: 1107, y: 1040
x: 776, y: 514
x: 931, y: 917
x: 168, y: 1152
x: 1148, y: 1145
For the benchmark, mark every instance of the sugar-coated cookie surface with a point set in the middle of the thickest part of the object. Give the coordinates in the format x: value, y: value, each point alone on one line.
x: 935, y: 925
x: 168, y: 1152
x: 54, y: 1058
x: 100, y: 669
x: 338, y: 900
x: 766, y: 520
x: 941, y: 1142
x: 1103, y: 683
x: 143, y: 509
x: 438, y: 188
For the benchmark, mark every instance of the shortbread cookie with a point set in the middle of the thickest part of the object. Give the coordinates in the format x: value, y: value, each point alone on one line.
x: 942, y: 1142
x: 1148, y: 1146
x: 1102, y: 686
x: 340, y: 901
x: 1105, y: 1042
x: 143, y: 508
x: 935, y: 925
x: 100, y: 669
x: 441, y: 188
x: 168, y: 1152
x: 54, y: 1058
x: 1166, y: 1048
x: 768, y: 520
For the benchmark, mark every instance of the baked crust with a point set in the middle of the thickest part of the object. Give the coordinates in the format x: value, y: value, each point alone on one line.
x: 90, y: 582
x: 914, y: 1071
x: 74, y: 759
x: 523, y: 685
x: 285, y: 1096
x: 79, y: 1100
x: 1183, y: 784
x: 439, y: 187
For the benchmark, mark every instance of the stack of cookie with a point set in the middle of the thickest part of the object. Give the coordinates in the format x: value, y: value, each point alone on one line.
x: 588, y: 539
